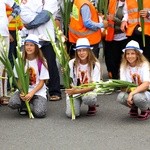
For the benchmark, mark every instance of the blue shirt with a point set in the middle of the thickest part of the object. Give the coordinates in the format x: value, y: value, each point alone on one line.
x: 86, y: 16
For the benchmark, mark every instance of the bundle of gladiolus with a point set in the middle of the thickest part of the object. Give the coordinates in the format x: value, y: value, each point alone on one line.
x: 107, y: 87
x: 140, y: 7
x: 63, y: 58
x: 65, y: 12
x: 102, y: 7
x: 22, y: 80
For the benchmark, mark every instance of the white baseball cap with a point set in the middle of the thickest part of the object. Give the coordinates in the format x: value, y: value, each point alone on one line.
x: 133, y: 45
x: 82, y: 43
x: 33, y: 39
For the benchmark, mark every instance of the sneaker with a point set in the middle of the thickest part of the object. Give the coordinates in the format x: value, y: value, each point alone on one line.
x: 91, y: 111
x: 4, y: 100
x: 23, y: 111
x: 133, y: 112
x: 144, y: 115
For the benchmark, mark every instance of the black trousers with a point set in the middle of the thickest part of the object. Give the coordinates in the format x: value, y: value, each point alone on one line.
x: 12, y: 52
x: 113, y: 54
x: 54, y: 81
x: 12, y: 48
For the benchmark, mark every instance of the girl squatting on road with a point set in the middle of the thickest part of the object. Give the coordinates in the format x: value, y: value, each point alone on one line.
x: 38, y: 74
x: 135, y: 68
x: 84, y: 68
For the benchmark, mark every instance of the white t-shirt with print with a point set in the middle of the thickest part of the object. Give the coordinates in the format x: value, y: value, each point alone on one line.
x: 3, y: 16
x: 35, y: 76
x: 141, y: 73
x: 74, y: 74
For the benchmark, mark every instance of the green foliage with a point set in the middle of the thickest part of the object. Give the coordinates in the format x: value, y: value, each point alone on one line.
x: 65, y: 12
x: 22, y: 80
x: 102, y: 7
x: 140, y: 7
x: 63, y: 58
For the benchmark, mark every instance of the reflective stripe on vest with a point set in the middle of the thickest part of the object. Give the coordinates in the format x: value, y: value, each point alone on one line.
x: 138, y: 20
x: 81, y: 33
x: 136, y: 10
x: 134, y: 18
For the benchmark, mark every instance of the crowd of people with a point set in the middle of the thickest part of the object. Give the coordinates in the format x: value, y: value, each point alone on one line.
x: 126, y: 53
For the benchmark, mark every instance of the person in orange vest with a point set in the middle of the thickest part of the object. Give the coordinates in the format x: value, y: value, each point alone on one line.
x: 5, y: 36
x: 15, y: 24
x: 132, y: 25
x: 84, y: 22
x: 115, y: 39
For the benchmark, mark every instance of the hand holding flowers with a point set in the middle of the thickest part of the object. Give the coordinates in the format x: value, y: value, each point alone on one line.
x: 27, y: 97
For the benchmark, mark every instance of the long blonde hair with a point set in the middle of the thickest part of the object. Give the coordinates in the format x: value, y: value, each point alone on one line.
x: 140, y: 60
x: 91, y: 60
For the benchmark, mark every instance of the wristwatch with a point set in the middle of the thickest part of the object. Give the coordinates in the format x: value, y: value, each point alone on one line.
x: 148, y: 14
x: 13, y: 14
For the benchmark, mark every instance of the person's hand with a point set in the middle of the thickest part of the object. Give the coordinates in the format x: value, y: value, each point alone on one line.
x: 71, y: 91
x: 27, y: 97
x: 24, y: 1
x: 105, y: 22
x: 143, y: 13
x: 10, y: 18
x: 110, y: 17
x: 64, y: 38
x: 130, y: 99
x: 124, y: 26
x: 11, y: 38
x: 22, y: 96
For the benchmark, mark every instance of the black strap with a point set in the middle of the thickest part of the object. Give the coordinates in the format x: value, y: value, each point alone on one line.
x: 43, y: 2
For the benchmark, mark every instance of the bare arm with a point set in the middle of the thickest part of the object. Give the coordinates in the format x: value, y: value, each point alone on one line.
x: 78, y: 91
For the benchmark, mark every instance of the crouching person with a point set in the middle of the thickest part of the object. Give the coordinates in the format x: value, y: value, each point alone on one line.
x: 38, y: 73
x: 135, y: 68
x: 84, y: 68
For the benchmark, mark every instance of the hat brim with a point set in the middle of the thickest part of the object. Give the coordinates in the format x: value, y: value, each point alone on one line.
x: 132, y: 47
x: 33, y: 42
x: 83, y: 47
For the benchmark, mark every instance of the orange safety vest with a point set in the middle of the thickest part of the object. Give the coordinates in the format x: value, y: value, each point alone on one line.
x: 112, y: 7
x: 110, y: 29
x: 134, y: 18
x: 16, y: 22
x: 77, y: 28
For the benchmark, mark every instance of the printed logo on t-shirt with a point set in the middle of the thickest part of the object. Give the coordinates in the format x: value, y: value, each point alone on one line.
x: 32, y: 76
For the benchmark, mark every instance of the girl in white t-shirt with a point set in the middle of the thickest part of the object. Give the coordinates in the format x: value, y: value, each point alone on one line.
x: 84, y: 68
x: 38, y: 74
x: 135, y: 68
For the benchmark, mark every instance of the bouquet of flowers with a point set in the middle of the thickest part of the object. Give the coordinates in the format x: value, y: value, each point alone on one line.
x: 65, y: 12
x: 107, y: 87
x: 22, y: 82
x: 63, y: 58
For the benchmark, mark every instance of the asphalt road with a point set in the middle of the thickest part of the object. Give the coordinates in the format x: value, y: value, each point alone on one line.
x: 110, y: 129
